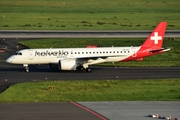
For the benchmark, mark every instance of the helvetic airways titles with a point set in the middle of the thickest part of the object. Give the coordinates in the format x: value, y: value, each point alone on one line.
x: 52, y: 53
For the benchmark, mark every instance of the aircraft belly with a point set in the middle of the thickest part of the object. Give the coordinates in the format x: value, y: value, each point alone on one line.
x: 115, y: 59
x: 39, y: 61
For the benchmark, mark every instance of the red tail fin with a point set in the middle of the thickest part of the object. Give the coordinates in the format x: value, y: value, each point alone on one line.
x: 156, y: 38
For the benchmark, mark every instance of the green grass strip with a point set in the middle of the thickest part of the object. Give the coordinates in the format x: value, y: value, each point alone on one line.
x: 88, y: 15
x: 94, y: 90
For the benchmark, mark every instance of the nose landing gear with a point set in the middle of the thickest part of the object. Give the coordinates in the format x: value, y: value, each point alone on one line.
x: 26, y: 67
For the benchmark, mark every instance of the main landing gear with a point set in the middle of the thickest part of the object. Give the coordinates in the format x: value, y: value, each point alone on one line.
x: 26, y: 67
x: 81, y: 68
x: 88, y: 69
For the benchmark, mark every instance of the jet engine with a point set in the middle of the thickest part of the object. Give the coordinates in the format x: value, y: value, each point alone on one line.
x: 67, y: 64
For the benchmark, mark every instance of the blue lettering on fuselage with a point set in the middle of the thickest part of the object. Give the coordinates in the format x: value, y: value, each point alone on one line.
x: 59, y: 54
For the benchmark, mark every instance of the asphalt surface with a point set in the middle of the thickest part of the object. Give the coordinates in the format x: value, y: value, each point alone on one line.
x: 136, y: 110
x: 82, y: 33
x: 12, y: 74
x: 46, y: 111
x: 133, y: 110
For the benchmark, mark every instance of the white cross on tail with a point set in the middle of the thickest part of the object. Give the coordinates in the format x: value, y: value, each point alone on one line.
x: 156, y: 38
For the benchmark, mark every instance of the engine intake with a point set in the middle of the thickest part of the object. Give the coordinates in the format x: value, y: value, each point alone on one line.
x: 67, y: 64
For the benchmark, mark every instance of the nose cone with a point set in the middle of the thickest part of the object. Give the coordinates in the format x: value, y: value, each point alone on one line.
x: 9, y: 60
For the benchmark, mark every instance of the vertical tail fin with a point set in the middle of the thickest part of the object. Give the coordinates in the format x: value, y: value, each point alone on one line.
x: 156, y: 38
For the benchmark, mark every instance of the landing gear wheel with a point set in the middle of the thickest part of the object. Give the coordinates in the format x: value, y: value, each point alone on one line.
x: 26, y: 67
x: 88, y: 69
x: 27, y: 70
x: 81, y: 68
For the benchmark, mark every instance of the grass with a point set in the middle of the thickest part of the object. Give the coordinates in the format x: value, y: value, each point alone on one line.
x: 94, y: 90
x: 170, y: 58
x: 84, y: 15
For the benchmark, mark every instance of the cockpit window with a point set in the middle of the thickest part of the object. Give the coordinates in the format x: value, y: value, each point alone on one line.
x: 18, y: 53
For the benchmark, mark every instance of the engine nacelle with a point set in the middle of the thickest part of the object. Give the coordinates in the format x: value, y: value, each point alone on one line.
x: 67, y: 64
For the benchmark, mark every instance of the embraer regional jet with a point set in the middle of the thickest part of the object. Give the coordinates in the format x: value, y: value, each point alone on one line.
x: 82, y: 58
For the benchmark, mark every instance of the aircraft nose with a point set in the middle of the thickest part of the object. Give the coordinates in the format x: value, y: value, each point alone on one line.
x: 9, y: 60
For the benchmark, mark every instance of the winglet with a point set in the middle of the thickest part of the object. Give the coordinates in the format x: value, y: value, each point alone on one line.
x: 156, y: 38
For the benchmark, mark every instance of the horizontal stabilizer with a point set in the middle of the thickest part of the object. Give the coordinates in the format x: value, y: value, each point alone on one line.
x: 159, y: 50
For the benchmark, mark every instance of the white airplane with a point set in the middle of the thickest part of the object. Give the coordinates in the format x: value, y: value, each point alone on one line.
x: 82, y: 58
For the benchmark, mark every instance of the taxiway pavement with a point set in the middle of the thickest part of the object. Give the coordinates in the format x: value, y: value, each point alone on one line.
x: 82, y: 33
x: 131, y: 110
x: 45, y: 111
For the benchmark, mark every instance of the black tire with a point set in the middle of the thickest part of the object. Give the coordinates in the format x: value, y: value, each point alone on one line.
x: 80, y: 68
x: 27, y: 70
x: 88, y: 69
